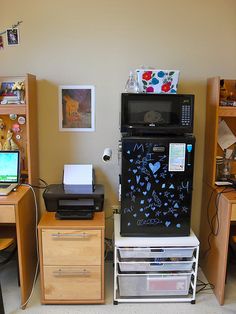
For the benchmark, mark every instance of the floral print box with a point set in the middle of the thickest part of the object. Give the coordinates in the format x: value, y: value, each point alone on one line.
x: 158, y: 81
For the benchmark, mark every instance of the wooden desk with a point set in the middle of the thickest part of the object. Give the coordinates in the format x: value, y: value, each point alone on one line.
x: 18, y: 208
x: 214, y: 263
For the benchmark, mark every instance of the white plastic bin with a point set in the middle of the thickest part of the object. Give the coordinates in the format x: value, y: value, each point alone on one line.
x: 155, y: 266
x: 153, y: 285
x: 156, y: 252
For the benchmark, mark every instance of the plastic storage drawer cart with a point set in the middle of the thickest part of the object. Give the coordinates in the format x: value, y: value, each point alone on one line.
x: 155, y: 269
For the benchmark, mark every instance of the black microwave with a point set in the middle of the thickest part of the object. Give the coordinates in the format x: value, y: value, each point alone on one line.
x: 156, y: 113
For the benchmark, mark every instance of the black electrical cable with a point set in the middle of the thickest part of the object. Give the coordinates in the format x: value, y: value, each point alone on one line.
x: 204, y: 286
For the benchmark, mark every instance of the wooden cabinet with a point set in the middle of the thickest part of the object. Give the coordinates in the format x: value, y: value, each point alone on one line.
x: 218, y: 203
x: 71, y: 260
x: 25, y: 134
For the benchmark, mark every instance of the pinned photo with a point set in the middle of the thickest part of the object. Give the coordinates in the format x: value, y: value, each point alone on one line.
x: 1, y: 42
x: 13, y: 36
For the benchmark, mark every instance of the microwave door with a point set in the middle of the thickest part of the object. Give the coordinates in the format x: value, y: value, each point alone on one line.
x: 156, y: 189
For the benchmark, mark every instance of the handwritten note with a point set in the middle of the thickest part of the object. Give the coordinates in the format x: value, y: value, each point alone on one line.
x: 225, y: 136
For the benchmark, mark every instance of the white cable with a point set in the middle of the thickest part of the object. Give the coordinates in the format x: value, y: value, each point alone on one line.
x: 36, y: 238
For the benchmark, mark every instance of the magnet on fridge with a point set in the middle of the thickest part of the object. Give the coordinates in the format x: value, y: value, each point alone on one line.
x: 21, y: 120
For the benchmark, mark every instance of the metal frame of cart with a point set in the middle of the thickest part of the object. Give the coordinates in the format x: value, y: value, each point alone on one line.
x: 174, y: 263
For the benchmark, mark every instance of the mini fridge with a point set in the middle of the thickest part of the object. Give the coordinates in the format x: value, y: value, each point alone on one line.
x: 156, y: 185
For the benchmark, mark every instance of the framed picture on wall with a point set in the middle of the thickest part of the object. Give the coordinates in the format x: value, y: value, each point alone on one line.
x: 77, y: 108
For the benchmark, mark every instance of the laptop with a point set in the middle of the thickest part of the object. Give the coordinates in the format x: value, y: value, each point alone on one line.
x: 9, y: 171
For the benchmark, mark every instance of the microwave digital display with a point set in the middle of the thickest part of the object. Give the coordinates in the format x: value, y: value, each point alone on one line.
x: 157, y: 113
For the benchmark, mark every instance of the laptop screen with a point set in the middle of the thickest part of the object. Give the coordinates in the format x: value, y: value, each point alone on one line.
x: 9, y: 166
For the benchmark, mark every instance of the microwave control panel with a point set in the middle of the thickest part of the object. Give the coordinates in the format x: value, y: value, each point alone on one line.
x: 186, y: 115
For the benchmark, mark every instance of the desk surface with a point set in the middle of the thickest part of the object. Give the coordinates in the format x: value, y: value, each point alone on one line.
x: 15, y: 196
x: 230, y: 195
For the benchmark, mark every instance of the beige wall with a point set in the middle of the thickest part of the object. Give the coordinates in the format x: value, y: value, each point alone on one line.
x: 97, y: 42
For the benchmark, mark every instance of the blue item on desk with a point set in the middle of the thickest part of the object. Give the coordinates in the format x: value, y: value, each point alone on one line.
x: 72, y: 205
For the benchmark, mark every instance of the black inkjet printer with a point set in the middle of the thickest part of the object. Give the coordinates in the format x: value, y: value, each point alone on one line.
x: 69, y: 202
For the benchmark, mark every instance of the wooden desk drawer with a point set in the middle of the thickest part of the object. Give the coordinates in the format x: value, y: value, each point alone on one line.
x: 7, y: 214
x: 233, y: 213
x: 71, y: 247
x: 72, y: 283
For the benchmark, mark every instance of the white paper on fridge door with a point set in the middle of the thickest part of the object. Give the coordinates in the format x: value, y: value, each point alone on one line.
x: 225, y: 136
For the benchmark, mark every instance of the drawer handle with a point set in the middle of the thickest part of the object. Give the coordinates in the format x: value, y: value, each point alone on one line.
x: 70, y: 235
x: 66, y: 272
x: 156, y: 264
x: 157, y: 250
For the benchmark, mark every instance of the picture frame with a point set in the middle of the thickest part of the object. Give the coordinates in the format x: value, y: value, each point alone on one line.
x: 13, y: 36
x: 6, y: 89
x: 77, y: 108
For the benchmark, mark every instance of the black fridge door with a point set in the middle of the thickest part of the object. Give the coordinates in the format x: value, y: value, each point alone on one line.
x: 156, y: 185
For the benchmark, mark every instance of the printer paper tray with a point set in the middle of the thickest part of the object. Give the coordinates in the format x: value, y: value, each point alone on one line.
x: 74, y: 214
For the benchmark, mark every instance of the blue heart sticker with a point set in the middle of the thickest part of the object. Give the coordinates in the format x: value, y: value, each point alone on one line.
x: 167, y: 223
x: 154, y: 167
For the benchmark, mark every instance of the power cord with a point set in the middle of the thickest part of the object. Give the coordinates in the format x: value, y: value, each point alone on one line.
x: 204, y: 286
x: 44, y: 186
x: 108, y: 247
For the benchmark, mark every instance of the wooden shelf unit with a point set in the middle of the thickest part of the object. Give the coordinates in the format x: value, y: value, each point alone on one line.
x: 28, y: 142
x: 218, y: 203
x: 214, y: 114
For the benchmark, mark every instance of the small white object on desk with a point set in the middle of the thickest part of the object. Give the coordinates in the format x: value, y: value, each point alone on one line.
x: 223, y: 183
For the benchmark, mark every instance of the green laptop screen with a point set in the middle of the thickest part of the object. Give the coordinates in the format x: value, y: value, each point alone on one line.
x: 9, y: 166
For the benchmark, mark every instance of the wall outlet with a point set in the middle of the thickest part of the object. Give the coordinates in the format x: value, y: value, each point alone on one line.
x: 115, y: 209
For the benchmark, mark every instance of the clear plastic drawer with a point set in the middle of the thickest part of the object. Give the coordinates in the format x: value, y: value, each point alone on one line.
x: 153, y: 285
x: 155, y: 266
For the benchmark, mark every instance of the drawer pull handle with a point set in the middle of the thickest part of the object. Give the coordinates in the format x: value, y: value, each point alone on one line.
x: 70, y: 235
x: 65, y: 272
x: 156, y: 264
x: 157, y: 250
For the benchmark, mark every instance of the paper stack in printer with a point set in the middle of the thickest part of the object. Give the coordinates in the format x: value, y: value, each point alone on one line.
x: 78, y: 178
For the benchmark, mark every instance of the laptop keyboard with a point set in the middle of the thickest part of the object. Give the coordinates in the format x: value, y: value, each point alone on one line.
x: 4, y: 186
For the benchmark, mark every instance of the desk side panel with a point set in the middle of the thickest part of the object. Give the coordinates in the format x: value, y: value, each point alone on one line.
x: 213, y: 258
x: 26, y: 241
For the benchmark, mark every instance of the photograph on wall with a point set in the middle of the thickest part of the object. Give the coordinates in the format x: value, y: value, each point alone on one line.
x: 12, y: 36
x: 77, y: 108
